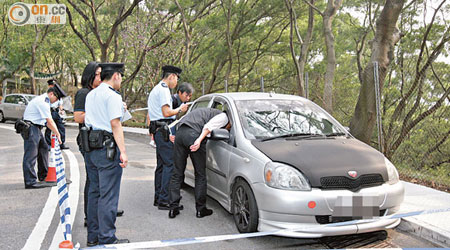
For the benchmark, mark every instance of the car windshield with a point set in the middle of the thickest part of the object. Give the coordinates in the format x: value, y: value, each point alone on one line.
x: 29, y: 97
x: 267, y: 119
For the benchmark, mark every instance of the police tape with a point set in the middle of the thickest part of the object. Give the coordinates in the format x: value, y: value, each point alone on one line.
x: 206, y: 239
x: 63, y: 193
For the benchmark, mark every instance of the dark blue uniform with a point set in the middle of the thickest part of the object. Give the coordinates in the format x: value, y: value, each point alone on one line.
x: 35, y: 147
x: 103, y: 104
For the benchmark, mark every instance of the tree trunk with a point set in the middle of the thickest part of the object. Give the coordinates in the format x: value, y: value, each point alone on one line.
x: 386, y: 36
x: 328, y: 16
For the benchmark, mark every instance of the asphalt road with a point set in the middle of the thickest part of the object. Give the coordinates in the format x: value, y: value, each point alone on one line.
x: 21, y: 219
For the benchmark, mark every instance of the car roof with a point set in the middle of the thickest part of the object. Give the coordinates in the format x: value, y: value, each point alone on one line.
x: 238, y: 96
x: 20, y: 94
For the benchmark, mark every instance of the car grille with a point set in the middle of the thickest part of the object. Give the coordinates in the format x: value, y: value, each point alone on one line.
x: 327, y: 219
x: 342, y: 182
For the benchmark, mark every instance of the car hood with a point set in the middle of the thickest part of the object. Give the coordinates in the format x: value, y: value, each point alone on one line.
x: 325, y: 157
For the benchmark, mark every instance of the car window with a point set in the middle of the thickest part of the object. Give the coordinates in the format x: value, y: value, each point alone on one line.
x: 269, y: 118
x: 201, y: 104
x: 30, y: 97
x: 21, y: 99
x: 10, y: 99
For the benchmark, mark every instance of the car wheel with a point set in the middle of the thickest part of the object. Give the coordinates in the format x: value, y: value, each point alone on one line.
x: 2, y: 117
x: 244, y: 207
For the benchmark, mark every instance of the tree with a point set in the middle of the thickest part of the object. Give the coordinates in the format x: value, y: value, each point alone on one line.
x: 386, y: 36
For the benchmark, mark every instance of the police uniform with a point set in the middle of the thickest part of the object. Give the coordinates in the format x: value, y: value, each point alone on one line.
x: 103, y: 104
x: 54, y: 108
x: 35, y: 148
x: 159, y: 97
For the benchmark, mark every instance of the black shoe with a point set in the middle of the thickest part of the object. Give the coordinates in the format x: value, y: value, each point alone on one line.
x: 36, y: 185
x: 120, y: 212
x: 92, y: 243
x: 163, y: 206
x: 155, y: 202
x: 173, y: 213
x: 85, y: 222
x: 121, y: 241
x: 62, y: 146
x: 204, y: 212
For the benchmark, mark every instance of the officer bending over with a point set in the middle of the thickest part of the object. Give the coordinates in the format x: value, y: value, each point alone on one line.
x: 37, y: 114
x: 161, y: 114
x: 106, y: 155
x: 190, y: 141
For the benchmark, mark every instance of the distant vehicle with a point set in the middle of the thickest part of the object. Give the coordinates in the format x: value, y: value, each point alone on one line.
x: 288, y: 164
x: 13, y: 106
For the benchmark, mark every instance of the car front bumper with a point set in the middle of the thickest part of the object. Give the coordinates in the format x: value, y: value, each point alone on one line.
x: 282, y: 209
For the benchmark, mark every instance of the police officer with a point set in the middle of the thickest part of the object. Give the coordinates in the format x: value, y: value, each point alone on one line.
x: 107, y: 155
x: 161, y: 113
x: 37, y: 113
x: 190, y: 141
x: 90, y: 79
x: 55, y: 108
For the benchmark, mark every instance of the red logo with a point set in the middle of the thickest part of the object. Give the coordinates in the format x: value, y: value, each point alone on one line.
x: 352, y: 174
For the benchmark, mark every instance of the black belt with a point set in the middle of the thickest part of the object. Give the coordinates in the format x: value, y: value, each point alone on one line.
x: 54, y: 109
x: 37, y: 125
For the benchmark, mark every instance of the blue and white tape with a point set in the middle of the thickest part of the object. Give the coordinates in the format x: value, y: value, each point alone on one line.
x: 205, y: 239
x: 63, y: 193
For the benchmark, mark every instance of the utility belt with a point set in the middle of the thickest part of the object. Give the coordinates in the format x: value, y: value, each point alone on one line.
x: 162, y: 126
x: 54, y: 109
x: 97, y: 139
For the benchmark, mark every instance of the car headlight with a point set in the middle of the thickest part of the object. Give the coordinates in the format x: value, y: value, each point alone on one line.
x: 392, y: 172
x: 282, y: 176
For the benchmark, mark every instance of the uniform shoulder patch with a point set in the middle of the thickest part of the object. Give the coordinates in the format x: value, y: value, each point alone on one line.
x: 164, y: 85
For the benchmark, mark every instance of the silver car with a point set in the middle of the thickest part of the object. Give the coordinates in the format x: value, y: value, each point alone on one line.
x: 287, y: 164
x: 13, y: 106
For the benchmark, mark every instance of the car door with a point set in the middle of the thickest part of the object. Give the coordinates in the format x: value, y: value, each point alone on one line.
x: 217, y: 160
x: 9, y: 106
x: 20, y: 107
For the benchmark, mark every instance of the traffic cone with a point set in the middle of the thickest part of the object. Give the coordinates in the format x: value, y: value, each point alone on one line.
x: 51, y: 173
x: 67, y: 244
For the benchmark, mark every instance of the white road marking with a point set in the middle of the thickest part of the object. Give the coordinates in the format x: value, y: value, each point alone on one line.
x: 10, y: 128
x: 74, y: 194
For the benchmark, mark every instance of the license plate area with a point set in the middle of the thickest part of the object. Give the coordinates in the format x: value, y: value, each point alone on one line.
x: 355, y: 207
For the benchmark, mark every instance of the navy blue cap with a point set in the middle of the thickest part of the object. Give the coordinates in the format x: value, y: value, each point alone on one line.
x: 59, y: 91
x: 171, y: 69
x: 115, y: 67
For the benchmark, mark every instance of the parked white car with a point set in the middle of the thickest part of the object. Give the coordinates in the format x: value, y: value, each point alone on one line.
x: 13, y: 106
x: 287, y: 164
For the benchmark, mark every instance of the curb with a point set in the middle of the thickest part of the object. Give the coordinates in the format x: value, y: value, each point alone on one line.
x: 425, y: 231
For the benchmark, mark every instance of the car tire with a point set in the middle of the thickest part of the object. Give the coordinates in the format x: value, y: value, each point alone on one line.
x: 244, y: 207
x: 2, y: 117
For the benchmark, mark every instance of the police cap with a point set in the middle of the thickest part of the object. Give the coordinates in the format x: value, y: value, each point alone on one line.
x: 51, y: 81
x: 171, y: 69
x: 114, y: 67
x: 59, y: 91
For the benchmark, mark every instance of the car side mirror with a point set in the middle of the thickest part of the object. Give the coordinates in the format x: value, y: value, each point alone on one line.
x: 220, y: 134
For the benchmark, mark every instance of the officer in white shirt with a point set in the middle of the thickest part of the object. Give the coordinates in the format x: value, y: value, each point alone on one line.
x: 37, y: 115
x: 161, y: 114
x: 107, y: 155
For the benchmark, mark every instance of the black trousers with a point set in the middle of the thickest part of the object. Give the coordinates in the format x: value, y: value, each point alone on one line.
x: 34, y: 149
x: 184, y: 139
x: 60, y: 125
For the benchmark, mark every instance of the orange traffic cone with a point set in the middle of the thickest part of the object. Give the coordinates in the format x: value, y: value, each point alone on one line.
x: 67, y: 244
x: 51, y: 174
